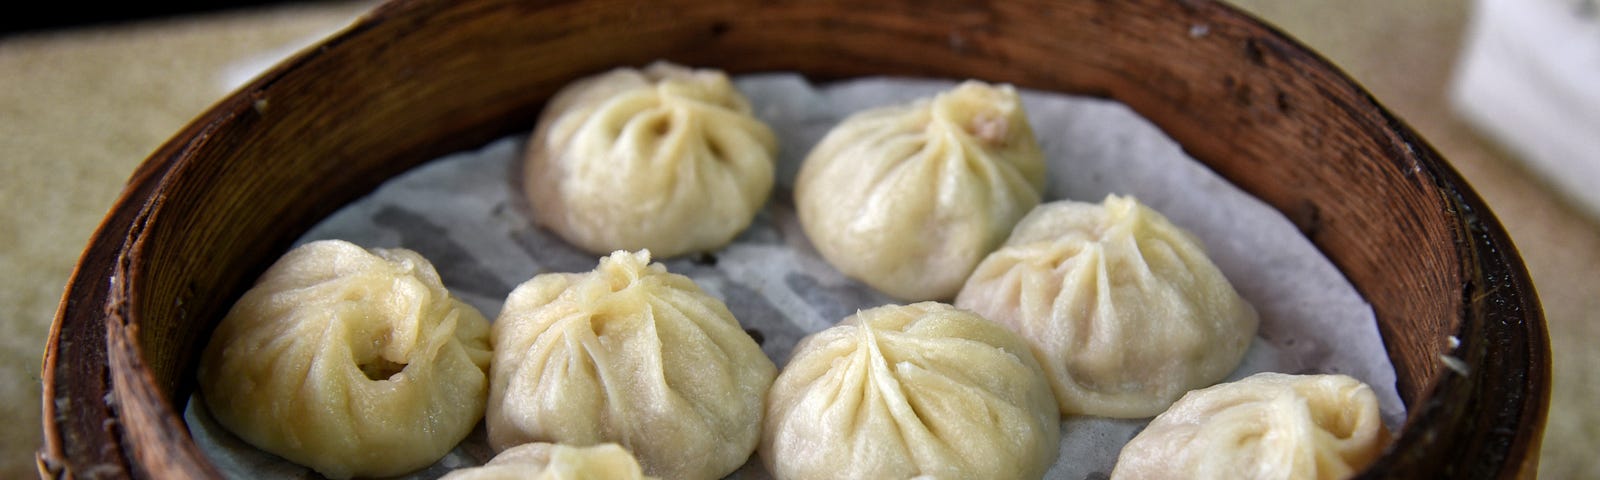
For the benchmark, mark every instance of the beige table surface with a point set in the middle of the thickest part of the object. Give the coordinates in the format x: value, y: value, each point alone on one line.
x: 79, y: 108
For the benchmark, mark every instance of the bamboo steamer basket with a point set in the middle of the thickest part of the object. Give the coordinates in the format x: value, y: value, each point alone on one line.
x: 415, y: 79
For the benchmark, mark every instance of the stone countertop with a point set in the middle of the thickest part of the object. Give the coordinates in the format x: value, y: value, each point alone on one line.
x: 80, y: 108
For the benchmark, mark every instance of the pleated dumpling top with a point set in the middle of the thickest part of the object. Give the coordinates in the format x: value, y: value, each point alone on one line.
x: 1266, y: 426
x: 903, y: 391
x: 1124, y: 309
x: 909, y: 198
x: 630, y: 354
x: 664, y: 158
x: 349, y: 361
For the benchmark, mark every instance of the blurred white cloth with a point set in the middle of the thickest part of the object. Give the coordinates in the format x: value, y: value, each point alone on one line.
x: 1529, y: 77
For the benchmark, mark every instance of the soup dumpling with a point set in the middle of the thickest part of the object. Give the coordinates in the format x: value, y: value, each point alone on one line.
x: 1124, y: 310
x: 906, y: 390
x: 1268, y: 425
x: 548, y: 461
x: 909, y: 198
x: 632, y: 354
x: 350, y: 362
x: 665, y: 158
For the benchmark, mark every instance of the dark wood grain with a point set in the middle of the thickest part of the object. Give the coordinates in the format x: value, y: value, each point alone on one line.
x: 418, y: 79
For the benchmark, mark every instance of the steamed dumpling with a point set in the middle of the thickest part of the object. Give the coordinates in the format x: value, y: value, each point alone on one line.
x: 666, y: 158
x: 909, y: 198
x: 632, y: 354
x: 897, y: 392
x: 1267, y: 426
x: 546, y: 461
x: 1123, y: 309
x: 351, y: 362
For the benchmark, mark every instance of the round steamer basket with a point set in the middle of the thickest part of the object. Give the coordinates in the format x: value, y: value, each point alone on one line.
x: 417, y: 79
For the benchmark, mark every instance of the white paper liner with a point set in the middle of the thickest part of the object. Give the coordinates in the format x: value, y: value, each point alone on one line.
x: 465, y: 213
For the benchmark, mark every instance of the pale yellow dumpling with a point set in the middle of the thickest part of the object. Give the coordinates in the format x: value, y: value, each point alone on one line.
x: 631, y: 354
x: 897, y: 392
x: 547, y: 461
x: 350, y: 362
x: 1123, y: 309
x: 665, y: 158
x: 1266, y: 426
x: 909, y: 198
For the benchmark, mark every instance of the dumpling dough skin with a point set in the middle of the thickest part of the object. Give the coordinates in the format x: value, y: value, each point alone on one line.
x: 898, y: 392
x: 285, y: 368
x: 909, y: 198
x: 1124, y: 309
x: 547, y: 461
x: 631, y: 354
x: 665, y: 158
x: 1266, y: 426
